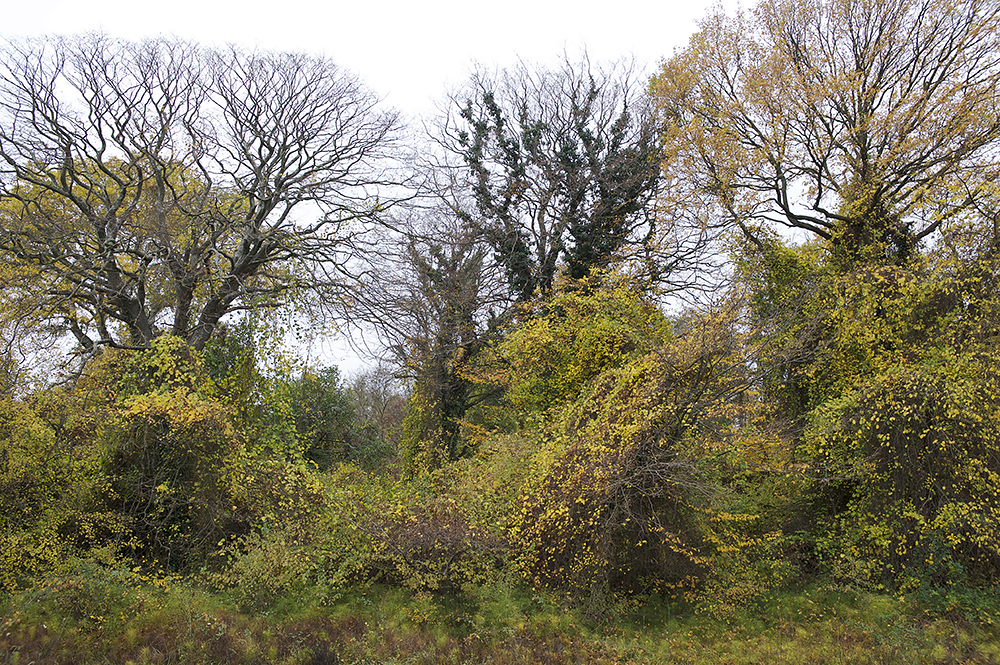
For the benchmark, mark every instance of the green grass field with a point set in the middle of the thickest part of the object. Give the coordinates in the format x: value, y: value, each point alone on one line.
x: 172, y: 623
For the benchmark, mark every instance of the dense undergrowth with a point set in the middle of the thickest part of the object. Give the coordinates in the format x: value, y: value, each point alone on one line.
x: 803, y: 471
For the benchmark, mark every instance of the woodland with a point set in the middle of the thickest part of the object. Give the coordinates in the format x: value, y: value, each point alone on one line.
x: 694, y: 368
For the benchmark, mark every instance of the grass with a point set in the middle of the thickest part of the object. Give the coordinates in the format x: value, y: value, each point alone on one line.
x: 815, y: 625
x: 183, y: 624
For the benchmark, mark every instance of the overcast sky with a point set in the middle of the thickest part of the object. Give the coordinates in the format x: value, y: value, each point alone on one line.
x: 410, y: 53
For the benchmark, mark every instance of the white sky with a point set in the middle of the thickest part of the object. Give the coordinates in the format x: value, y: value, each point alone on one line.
x: 409, y: 53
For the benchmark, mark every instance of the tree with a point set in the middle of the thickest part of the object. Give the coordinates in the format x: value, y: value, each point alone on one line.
x: 561, y: 166
x: 330, y: 429
x: 377, y: 398
x: 158, y: 186
x: 867, y: 123
x: 428, y: 298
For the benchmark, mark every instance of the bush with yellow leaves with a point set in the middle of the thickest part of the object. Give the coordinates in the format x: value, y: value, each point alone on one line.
x: 621, y: 495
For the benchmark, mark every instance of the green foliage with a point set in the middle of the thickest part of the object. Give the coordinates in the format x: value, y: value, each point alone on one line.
x: 167, y: 621
x: 143, y: 460
x: 432, y: 429
x: 100, y: 591
x: 432, y: 433
x: 167, y: 451
x: 491, y: 485
x: 563, y: 165
x: 28, y: 464
x: 362, y: 529
x: 832, y: 416
x: 288, y: 509
x: 274, y: 495
x: 775, y: 272
x: 282, y: 408
x: 52, y: 498
x: 171, y: 477
x: 785, y: 289
x: 168, y: 364
x: 607, y: 509
x: 250, y: 372
x: 54, y: 495
x: 327, y: 425
x: 886, y: 378
x: 412, y: 533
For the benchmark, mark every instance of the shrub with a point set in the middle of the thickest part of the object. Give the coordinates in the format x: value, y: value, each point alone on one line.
x: 52, y: 497
x: 166, y: 454
x: 567, y: 340
x: 916, y: 449
x: 621, y: 500
x: 411, y: 533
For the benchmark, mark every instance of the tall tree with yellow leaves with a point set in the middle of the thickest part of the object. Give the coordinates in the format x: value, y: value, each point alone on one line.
x: 868, y: 123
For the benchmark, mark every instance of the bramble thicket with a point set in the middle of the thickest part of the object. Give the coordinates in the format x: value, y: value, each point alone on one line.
x: 682, y: 343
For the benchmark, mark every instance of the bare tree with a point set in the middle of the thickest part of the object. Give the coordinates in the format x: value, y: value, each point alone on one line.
x: 379, y: 399
x: 428, y: 294
x: 157, y: 186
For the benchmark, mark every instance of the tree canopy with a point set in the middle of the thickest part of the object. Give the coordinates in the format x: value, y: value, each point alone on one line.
x: 561, y: 166
x: 156, y: 186
x: 866, y: 123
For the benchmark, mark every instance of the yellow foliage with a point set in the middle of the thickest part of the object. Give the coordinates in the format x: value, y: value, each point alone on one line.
x: 584, y: 328
x: 617, y: 498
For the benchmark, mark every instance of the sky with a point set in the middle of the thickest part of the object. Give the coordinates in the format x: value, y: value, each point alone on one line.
x: 410, y: 53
